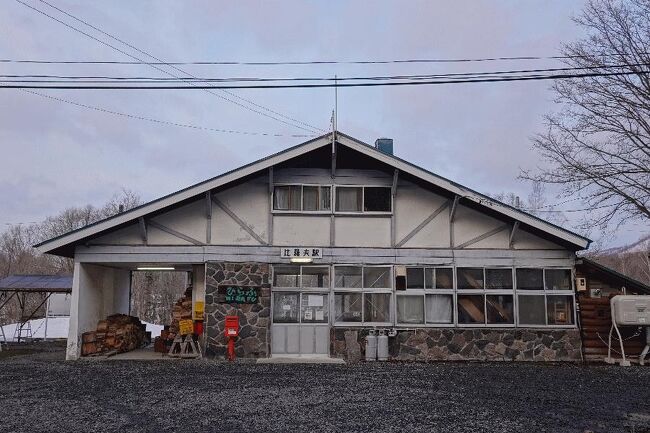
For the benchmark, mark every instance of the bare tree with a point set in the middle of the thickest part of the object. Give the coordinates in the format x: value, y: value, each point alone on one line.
x: 598, y: 145
x: 535, y: 204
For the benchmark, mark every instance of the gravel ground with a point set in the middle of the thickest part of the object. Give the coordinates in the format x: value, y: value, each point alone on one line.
x: 41, y: 393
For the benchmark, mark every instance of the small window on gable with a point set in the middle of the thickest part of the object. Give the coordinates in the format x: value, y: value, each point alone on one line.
x: 376, y: 199
x: 287, y: 197
x: 363, y: 199
x: 348, y: 199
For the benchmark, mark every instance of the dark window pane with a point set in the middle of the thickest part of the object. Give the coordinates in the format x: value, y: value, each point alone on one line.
x: 376, y: 278
x: 415, y: 278
x: 348, y: 199
x: 444, y: 278
x: 531, y: 309
x: 471, y: 309
x: 315, y: 276
x: 499, y: 309
x: 530, y: 279
x: 285, y: 307
x: 347, y: 276
x: 410, y: 309
x: 558, y: 279
x: 286, y: 276
x: 376, y: 307
x: 348, y: 307
x: 439, y: 309
x: 559, y: 309
x: 287, y: 197
x: 376, y: 199
x: 325, y: 198
x: 470, y: 278
x: 498, y: 279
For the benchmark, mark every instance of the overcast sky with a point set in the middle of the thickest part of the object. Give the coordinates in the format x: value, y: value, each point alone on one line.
x: 55, y: 155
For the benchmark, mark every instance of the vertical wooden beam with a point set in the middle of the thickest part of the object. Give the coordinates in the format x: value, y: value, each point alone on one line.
x: 452, y: 214
x: 513, y: 232
x: 208, y: 215
x: 393, y: 193
x: 270, y: 224
x: 333, y: 154
x: 143, y: 230
x: 332, y: 230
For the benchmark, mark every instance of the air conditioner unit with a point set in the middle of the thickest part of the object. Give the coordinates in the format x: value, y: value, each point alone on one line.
x: 629, y: 310
x: 581, y: 284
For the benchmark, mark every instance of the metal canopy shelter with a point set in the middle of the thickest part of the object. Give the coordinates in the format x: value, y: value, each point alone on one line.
x: 19, y: 286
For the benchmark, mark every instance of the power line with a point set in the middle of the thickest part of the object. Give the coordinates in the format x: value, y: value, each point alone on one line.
x: 163, y: 122
x: 143, y: 79
x: 312, y: 62
x: 328, y: 85
x: 141, y: 61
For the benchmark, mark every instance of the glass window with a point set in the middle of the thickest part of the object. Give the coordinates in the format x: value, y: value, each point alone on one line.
x: 470, y: 278
x: 410, y: 309
x: 444, y: 278
x: 347, y: 276
x: 286, y: 276
x: 415, y: 278
x: 557, y: 279
x: 498, y: 279
x: 314, y: 308
x: 376, y: 277
x: 348, y: 199
x: 471, y: 309
x: 439, y: 309
x: 348, y: 307
x: 316, y: 198
x: 285, y: 307
x: 530, y: 279
x: 376, y: 307
x: 376, y: 199
x: 559, y: 309
x: 499, y: 309
x: 531, y: 309
x: 287, y: 197
x: 315, y: 276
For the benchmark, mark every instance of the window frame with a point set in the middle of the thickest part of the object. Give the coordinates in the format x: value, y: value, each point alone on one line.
x: 545, y: 293
x: 363, y: 290
x: 300, y: 286
x: 363, y: 199
x: 485, y: 292
x: 423, y: 292
x: 302, y: 199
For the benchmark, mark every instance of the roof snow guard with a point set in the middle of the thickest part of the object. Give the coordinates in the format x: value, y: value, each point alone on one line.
x: 64, y: 245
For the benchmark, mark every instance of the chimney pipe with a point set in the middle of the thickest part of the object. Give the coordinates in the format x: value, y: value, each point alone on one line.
x: 384, y: 145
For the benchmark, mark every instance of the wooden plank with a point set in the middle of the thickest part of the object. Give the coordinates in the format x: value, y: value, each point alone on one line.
x: 143, y: 230
x: 393, y: 220
x: 423, y: 224
x: 513, y: 232
x: 483, y: 236
x: 208, y: 214
x: 452, y: 214
x: 173, y: 232
x: 239, y: 221
x: 270, y: 223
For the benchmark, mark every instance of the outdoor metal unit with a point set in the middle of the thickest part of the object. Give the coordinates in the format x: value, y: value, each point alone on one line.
x: 628, y: 310
x: 371, y: 346
x: 382, y: 346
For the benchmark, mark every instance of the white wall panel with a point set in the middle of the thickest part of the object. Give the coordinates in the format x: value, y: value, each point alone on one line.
x: 362, y: 231
x: 301, y: 230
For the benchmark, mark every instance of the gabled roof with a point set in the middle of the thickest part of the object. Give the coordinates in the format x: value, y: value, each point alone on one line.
x: 610, y: 274
x: 62, y: 245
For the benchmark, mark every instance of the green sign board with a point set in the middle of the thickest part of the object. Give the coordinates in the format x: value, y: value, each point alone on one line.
x: 238, y: 295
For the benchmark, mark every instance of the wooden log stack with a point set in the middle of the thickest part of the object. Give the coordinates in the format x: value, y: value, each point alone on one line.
x: 118, y: 333
x: 182, y: 310
x: 596, y: 321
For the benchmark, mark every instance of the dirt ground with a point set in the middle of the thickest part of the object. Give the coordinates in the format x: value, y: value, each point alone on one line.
x: 41, y: 393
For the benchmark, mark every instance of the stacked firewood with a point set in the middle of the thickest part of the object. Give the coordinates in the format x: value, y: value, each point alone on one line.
x: 182, y: 310
x: 118, y: 333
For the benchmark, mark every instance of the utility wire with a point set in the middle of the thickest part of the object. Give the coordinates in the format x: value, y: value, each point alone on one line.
x: 312, y: 62
x: 234, y: 95
x: 163, y: 122
x: 142, y: 79
x: 141, y: 61
x: 327, y: 85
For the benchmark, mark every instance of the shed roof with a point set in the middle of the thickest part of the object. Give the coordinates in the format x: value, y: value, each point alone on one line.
x: 37, y: 283
x: 64, y: 244
x: 594, y: 267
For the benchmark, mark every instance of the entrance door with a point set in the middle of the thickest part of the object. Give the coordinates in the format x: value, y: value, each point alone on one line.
x: 300, y: 324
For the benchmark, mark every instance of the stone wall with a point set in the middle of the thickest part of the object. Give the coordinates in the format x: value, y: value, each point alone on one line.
x: 465, y: 345
x: 254, y: 319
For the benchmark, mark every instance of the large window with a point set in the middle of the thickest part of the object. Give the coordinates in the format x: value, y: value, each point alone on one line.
x: 363, y: 199
x: 485, y: 296
x: 362, y: 294
x: 300, y: 307
x: 302, y: 198
x: 428, y: 298
x: 545, y: 297
x: 290, y: 276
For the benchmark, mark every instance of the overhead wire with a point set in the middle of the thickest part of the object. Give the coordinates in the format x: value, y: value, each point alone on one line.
x: 311, y: 129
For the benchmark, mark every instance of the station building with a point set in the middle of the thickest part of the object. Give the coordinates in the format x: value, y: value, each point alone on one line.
x: 316, y: 245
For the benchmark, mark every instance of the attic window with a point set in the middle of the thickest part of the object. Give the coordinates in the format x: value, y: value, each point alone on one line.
x: 298, y: 198
x: 363, y: 199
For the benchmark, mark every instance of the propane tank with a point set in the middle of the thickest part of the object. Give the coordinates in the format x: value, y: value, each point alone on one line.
x: 382, y: 346
x: 371, y: 346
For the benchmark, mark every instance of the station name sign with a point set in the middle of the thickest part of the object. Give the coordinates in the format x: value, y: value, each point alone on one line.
x: 301, y: 252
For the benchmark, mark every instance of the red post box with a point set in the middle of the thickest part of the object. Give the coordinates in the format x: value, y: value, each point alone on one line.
x: 231, y: 331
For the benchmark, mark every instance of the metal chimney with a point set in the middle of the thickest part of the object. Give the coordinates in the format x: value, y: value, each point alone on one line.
x: 384, y: 145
